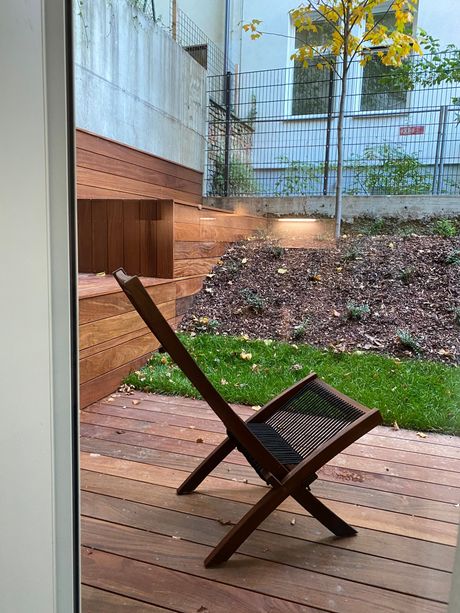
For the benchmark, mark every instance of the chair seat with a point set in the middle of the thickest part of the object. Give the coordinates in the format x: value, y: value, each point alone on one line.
x: 315, y: 415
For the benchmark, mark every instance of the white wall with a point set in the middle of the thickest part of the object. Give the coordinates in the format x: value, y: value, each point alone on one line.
x: 37, y: 471
x: 134, y: 84
x: 208, y: 15
x: 439, y: 18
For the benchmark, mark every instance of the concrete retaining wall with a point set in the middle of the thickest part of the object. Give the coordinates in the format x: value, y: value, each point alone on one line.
x: 135, y: 85
x: 403, y: 207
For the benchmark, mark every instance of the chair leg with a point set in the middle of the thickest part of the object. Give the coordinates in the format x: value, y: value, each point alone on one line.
x: 207, y: 465
x: 323, y: 514
x: 247, y: 524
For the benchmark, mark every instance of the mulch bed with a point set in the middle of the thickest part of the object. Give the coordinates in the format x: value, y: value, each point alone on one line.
x: 265, y: 292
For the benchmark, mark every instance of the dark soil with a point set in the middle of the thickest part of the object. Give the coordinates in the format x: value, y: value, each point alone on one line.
x: 406, y: 284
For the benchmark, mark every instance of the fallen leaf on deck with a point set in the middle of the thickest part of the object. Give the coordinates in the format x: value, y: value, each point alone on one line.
x: 395, y: 425
x: 136, y: 402
x: 421, y: 434
x: 256, y: 407
x: 100, y: 274
x: 293, y: 521
x: 199, y: 440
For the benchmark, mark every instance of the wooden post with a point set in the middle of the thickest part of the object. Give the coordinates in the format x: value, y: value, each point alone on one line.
x: 174, y: 19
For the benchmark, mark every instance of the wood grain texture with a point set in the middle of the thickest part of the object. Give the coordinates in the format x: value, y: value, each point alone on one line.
x: 94, y: 600
x: 133, y: 458
x: 164, y: 239
x: 107, y: 169
x: 201, y: 266
x: 102, y: 330
x: 110, y: 359
x: 96, y: 143
x: 113, y: 338
x: 108, y: 382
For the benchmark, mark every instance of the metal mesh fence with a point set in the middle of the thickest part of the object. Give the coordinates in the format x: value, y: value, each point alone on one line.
x: 275, y: 134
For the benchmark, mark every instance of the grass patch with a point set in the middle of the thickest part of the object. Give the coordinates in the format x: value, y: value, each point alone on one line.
x: 417, y: 394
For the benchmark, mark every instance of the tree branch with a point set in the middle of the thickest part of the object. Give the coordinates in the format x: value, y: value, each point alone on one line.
x: 376, y: 23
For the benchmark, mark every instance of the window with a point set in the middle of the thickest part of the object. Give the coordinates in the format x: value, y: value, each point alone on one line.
x: 376, y: 93
x: 310, y: 89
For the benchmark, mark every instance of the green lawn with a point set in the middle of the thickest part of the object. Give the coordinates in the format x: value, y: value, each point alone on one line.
x: 417, y: 394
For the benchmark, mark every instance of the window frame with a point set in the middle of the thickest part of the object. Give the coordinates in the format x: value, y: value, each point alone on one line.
x: 360, y: 112
x: 289, y: 97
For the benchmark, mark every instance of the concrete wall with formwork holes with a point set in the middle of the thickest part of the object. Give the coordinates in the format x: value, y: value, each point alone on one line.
x: 402, y: 207
x: 135, y: 85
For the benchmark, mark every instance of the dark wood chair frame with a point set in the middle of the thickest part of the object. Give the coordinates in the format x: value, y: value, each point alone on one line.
x: 285, y: 479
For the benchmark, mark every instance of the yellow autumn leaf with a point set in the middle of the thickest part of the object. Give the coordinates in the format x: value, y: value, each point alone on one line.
x: 282, y: 271
x: 246, y: 356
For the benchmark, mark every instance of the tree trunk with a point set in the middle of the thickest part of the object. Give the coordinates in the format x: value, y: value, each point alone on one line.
x: 339, y: 185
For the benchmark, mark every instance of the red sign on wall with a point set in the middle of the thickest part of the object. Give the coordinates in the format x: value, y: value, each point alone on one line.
x: 410, y: 130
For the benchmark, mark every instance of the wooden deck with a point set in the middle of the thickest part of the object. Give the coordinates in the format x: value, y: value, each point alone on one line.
x: 143, y: 546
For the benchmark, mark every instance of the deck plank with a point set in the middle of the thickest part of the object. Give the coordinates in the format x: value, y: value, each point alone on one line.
x: 143, y: 545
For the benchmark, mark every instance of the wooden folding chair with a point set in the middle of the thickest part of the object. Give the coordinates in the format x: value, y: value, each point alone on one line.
x: 286, y: 441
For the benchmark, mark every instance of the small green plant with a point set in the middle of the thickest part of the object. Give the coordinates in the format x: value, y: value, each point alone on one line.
x: 453, y: 257
x: 299, y: 331
x: 445, y: 227
x: 255, y: 302
x: 376, y: 227
x: 384, y: 169
x: 275, y: 251
x: 408, y: 341
x: 232, y: 266
x: 241, y: 181
x: 357, y: 311
x: 205, y: 325
x: 406, y: 275
x: 298, y: 178
x: 351, y: 255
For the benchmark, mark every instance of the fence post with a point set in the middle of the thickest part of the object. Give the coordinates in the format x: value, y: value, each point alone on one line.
x: 174, y: 19
x: 228, y: 119
x: 328, y: 133
x: 439, y: 146
x: 441, y: 152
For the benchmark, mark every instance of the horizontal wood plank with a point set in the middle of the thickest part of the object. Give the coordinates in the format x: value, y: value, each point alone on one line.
x: 134, y: 455
x: 96, y: 143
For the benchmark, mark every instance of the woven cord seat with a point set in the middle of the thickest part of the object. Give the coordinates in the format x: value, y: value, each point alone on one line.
x: 286, y: 441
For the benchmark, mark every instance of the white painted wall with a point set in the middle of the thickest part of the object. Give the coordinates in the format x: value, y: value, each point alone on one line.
x: 134, y: 84
x: 208, y: 15
x: 438, y: 17
x: 37, y: 464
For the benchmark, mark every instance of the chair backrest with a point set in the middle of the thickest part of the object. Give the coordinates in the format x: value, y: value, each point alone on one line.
x: 152, y: 316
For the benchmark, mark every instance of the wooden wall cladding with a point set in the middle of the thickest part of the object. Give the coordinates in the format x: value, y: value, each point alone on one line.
x: 135, y: 234
x: 113, y: 339
x: 107, y: 169
x: 202, y: 235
